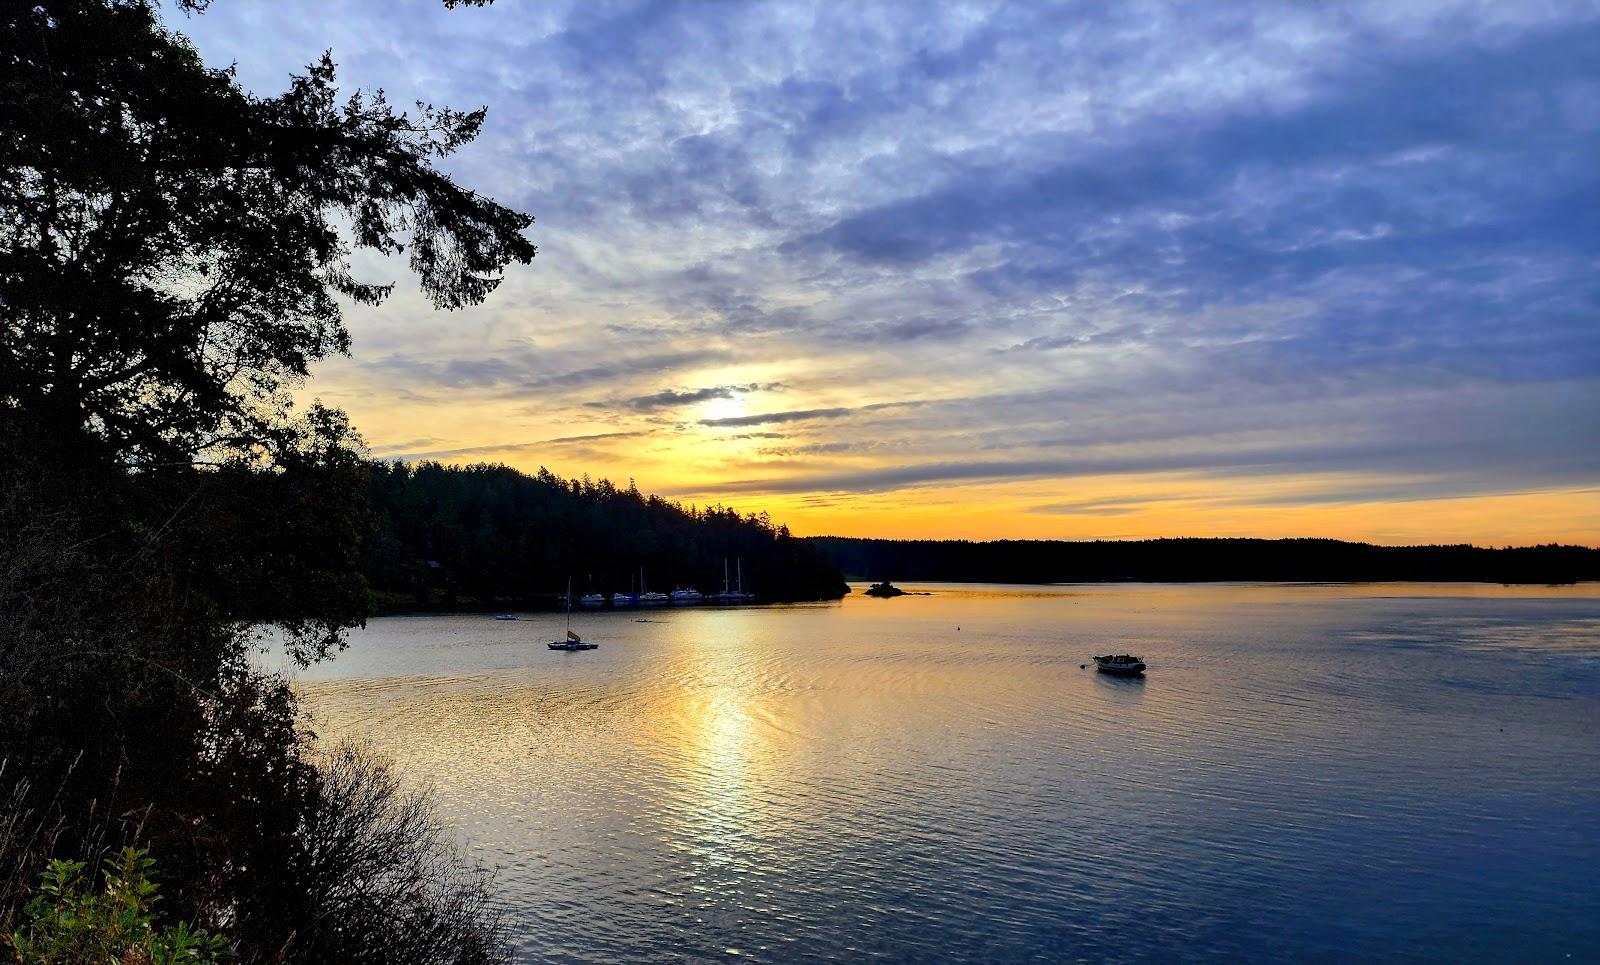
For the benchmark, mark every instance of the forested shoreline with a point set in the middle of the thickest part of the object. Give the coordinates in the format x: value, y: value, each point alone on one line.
x: 1201, y: 560
x: 481, y: 536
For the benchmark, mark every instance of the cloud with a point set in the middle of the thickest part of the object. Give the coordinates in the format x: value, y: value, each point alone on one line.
x: 805, y: 415
x: 1283, y: 458
x: 1094, y: 507
x: 511, y: 448
x: 516, y: 371
x: 1091, y: 238
x: 675, y: 399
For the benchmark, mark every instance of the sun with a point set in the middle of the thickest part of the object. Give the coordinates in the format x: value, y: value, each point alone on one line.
x: 729, y: 408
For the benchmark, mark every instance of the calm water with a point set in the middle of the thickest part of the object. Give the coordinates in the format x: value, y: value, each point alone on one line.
x: 1308, y: 773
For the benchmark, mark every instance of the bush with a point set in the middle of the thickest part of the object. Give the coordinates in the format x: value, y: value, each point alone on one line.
x: 133, y: 715
x: 67, y: 924
x: 388, y: 886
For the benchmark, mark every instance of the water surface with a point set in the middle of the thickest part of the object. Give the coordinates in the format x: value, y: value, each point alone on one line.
x: 1313, y: 773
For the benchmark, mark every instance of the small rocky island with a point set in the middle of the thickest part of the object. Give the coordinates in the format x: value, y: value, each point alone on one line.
x: 884, y: 589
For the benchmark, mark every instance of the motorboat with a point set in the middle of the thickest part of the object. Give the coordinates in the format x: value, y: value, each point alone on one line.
x: 1124, y: 664
x: 505, y: 616
x: 687, y: 595
x: 592, y: 599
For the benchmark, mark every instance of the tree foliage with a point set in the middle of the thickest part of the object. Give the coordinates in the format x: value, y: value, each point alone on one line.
x: 176, y: 246
x: 1198, y: 560
x: 493, y: 533
x: 176, y: 253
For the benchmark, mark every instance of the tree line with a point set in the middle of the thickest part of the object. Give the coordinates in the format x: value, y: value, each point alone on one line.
x: 1198, y: 560
x: 490, y: 535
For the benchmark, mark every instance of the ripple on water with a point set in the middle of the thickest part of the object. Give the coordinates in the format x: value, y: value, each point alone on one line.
x: 1307, y: 773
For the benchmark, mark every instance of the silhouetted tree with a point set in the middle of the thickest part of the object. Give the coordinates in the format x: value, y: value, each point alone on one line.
x: 174, y: 252
x: 496, y: 533
x: 1184, y: 560
x: 173, y: 243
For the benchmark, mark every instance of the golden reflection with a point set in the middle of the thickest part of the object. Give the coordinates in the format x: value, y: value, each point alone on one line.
x: 711, y: 745
x: 714, y: 772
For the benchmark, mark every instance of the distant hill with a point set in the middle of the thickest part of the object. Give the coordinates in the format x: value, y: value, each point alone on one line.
x: 1196, y: 560
x: 485, y: 535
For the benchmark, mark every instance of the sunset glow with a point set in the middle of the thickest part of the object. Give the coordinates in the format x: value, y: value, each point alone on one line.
x: 876, y: 277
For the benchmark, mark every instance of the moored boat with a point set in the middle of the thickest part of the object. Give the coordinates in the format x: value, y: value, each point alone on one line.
x: 649, y: 597
x: 687, y: 595
x: 1125, y: 664
x: 728, y: 594
x: 572, y: 641
x: 592, y: 599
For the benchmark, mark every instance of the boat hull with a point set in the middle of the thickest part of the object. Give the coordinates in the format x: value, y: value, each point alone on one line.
x: 558, y: 645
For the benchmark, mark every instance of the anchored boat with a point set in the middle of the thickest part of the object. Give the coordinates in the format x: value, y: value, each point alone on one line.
x: 573, y: 641
x: 1124, y: 664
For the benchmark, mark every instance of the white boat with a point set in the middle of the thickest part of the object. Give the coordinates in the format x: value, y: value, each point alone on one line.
x: 505, y: 616
x: 650, y: 597
x: 687, y: 595
x: 728, y: 594
x: 592, y: 599
x: 624, y: 599
x: 1125, y: 664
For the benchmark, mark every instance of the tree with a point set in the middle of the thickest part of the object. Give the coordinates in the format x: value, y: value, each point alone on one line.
x: 173, y: 255
x: 174, y: 252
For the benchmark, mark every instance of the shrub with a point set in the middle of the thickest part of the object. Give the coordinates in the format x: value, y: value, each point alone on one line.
x: 68, y: 924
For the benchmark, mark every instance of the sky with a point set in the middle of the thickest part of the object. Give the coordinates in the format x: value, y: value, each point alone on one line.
x: 1006, y: 270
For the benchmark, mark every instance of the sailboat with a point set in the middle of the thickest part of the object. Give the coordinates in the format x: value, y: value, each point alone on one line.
x: 729, y: 595
x: 650, y: 597
x: 620, y: 598
x: 572, y: 641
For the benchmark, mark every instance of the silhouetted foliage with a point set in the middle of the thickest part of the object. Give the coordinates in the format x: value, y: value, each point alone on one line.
x: 128, y: 609
x: 173, y: 243
x: 1195, y: 560
x: 174, y: 252
x: 494, y: 533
